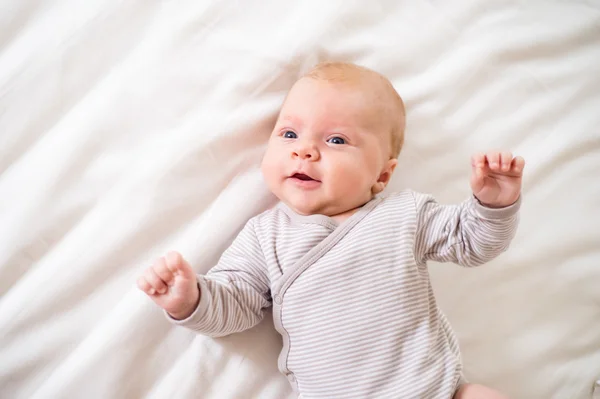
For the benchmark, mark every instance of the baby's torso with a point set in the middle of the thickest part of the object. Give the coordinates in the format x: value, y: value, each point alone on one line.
x: 356, y: 312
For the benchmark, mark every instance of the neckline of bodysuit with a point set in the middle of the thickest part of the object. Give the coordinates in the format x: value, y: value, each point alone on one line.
x: 324, y: 220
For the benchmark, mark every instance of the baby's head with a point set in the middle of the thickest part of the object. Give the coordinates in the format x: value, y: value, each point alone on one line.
x: 336, y: 140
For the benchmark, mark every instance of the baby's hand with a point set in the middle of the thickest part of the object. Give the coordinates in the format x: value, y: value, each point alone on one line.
x: 496, y: 178
x: 172, y: 285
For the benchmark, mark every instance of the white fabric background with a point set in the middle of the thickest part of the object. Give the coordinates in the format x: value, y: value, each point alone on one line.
x: 131, y: 128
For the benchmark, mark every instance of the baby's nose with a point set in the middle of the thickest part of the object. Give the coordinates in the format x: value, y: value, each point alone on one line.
x: 306, y: 152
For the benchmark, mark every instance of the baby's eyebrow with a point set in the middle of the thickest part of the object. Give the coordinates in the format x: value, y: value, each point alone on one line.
x: 291, y: 119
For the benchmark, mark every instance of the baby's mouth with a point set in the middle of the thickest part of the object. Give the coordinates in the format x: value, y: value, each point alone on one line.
x: 304, y: 181
x: 303, y: 177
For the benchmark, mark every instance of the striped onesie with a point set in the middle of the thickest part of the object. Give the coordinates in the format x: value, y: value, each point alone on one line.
x: 353, y: 301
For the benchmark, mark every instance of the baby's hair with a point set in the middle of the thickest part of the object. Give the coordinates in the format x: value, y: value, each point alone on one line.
x: 343, y: 72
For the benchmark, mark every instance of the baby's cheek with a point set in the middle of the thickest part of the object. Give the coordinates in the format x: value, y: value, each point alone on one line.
x: 355, y: 180
x: 269, y: 169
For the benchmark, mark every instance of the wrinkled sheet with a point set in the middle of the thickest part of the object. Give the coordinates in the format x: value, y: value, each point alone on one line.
x: 128, y: 129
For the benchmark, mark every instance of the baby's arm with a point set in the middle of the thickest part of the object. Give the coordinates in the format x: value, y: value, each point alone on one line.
x: 479, y: 229
x: 230, y: 298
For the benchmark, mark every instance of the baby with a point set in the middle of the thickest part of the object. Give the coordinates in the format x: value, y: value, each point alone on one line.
x: 344, y: 266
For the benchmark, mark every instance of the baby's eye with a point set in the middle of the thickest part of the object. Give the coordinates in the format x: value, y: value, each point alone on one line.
x: 290, y: 135
x: 336, y: 140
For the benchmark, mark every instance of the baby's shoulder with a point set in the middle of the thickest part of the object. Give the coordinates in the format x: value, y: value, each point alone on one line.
x: 407, y: 201
x: 269, y: 219
x: 406, y: 195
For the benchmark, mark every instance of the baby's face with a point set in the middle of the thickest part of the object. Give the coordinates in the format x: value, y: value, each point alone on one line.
x: 330, y: 147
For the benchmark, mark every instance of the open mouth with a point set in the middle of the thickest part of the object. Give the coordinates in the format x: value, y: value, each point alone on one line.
x: 304, y: 181
x: 303, y: 177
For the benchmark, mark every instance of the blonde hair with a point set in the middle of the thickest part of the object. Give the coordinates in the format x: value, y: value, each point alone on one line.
x: 343, y: 72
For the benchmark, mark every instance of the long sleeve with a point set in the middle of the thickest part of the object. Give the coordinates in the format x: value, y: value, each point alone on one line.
x: 234, y: 293
x: 468, y: 234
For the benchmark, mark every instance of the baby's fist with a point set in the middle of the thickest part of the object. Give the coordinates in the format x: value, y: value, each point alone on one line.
x: 171, y: 283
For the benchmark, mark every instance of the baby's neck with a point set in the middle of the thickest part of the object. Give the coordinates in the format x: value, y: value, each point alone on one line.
x: 341, y: 217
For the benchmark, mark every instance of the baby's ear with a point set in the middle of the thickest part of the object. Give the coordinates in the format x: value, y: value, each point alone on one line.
x: 386, y: 172
x: 385, y: 176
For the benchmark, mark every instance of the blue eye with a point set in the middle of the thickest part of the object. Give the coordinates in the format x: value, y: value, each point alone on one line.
x: 290, y: 135
x: 336, y: 140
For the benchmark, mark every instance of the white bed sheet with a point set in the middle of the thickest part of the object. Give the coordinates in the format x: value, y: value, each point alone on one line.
x: 131, y: 128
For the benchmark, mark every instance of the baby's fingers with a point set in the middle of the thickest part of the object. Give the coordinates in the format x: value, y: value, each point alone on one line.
x: 161, y: 269
x: 478, y: 160
x: 177, y: 265
x: 517, y: 165
x: 493, y: 159
x: 477, y: 175
x: 144, y: 285
x: 505, y: 161
x: 156, y: 283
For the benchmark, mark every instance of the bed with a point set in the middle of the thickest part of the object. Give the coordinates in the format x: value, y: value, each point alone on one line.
x: 128, y: 129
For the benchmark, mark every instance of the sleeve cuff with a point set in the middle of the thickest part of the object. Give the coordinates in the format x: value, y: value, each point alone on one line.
x: 200, y: 311
x: 496, y: 213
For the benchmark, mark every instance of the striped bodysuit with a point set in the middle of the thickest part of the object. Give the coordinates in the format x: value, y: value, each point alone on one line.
x: 353, y: 301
